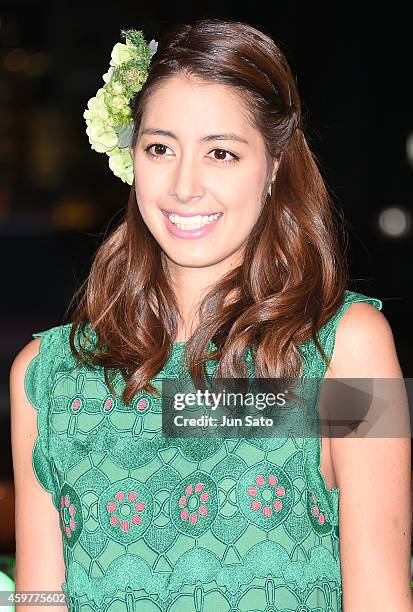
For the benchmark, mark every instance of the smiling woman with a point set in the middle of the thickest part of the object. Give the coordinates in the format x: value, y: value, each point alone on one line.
x: 227, y: 264
x: 182, y: 175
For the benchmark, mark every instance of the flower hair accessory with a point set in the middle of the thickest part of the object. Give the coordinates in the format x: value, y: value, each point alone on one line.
x: 109, y: 115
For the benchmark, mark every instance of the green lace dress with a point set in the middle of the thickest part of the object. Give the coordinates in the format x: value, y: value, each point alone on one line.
x: 151, y: 523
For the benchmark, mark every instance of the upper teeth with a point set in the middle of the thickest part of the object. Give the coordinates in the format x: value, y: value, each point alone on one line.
x: 192, y: 222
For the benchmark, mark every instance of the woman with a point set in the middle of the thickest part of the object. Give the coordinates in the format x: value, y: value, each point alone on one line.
x: 222, y: 250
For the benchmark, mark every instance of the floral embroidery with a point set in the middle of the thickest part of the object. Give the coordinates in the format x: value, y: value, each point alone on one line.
x: 71, y: 511
x: 76, y: 404
x: 70, y: 514
x: 318, y: 516
x: 126, y: 509
x: 194, y: 504
x: 266, y: 495
x: 267, y: 503
x: 117, y: 508
x: 142, y: 404
x: 196, y: 508
x: 108, y: 405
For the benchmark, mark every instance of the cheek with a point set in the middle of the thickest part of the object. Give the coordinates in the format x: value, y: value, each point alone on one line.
x: 146, y: 201
x: 242, y: 192
x: 145, y: 188
x: 142, y: 197
x: 149, y: 187
x: 248, y: 180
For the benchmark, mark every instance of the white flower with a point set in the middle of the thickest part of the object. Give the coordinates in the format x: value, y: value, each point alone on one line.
x: 97, y: 106
x: 117, y: 87
x: 118, y: 102
x: 121, y: 164
x: 122, y: 53
x: 102, y: 137
x: 108, y: 75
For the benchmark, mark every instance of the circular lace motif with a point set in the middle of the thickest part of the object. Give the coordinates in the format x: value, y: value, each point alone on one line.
x: 319, y: 518
x: 70, y: 515
x: 125, y: 510
x: 265, y: 495
x: 194, y: 504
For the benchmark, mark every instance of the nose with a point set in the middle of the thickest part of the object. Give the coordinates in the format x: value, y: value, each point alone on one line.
x: 186, y: 183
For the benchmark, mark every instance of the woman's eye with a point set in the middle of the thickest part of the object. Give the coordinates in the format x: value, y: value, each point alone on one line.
x: 224, y: 152
x: 158, y: 148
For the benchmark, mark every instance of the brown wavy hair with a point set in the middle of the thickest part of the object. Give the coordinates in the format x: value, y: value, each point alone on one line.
x: 293, y: 274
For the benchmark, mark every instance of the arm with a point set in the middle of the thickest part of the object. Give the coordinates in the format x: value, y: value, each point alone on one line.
x: 373, y: 474
x: 39, y: 551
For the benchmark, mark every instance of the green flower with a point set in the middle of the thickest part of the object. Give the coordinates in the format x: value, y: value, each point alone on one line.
x: 109, y: 121
x: 118, y: 102
x: 117, y: 88
x: 120, y: 162
x: 108, y: 75
x: 97, y: 107
x: 102, y: 137
x: 122, y: 53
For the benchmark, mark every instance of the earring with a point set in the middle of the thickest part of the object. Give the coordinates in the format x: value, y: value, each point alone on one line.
x: 270, y: 189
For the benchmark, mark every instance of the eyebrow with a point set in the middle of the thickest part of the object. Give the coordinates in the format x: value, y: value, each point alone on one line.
x: 209, y: 137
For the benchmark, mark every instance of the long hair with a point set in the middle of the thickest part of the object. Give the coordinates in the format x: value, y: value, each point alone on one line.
x: 293, y: 274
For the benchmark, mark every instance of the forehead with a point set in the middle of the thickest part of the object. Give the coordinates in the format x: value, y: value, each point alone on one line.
x: 186, y: 105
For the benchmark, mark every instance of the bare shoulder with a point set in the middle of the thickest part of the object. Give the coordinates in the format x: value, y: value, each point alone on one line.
x: 17, y: 379
x: 23, y: 358
x: 374, y: 535
x: 364, y: 345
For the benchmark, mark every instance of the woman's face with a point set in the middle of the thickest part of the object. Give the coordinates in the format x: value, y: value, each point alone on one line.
x: 188, y: 161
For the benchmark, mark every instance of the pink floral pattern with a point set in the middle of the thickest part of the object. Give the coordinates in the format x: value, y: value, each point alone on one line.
x: 126, y: 508
x: 269, y: 489
x: 194, y: 503
x: 70, y: 514
x: 68, y: 519
x: 108, y: 405
x: 196, y: 495
x: 142, y: 404
x: 76, y: 404
x: 265, y: 494
x: 125, y: 504
x: 320, y: 516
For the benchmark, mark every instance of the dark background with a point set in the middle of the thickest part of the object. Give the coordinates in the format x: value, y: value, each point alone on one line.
x: 58, y: 197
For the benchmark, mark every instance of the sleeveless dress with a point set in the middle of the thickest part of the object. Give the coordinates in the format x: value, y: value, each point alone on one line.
x: 157, y: 524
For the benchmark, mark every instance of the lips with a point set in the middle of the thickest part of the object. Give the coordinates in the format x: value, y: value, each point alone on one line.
x: 194, y: 233
x: 194, y: 213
